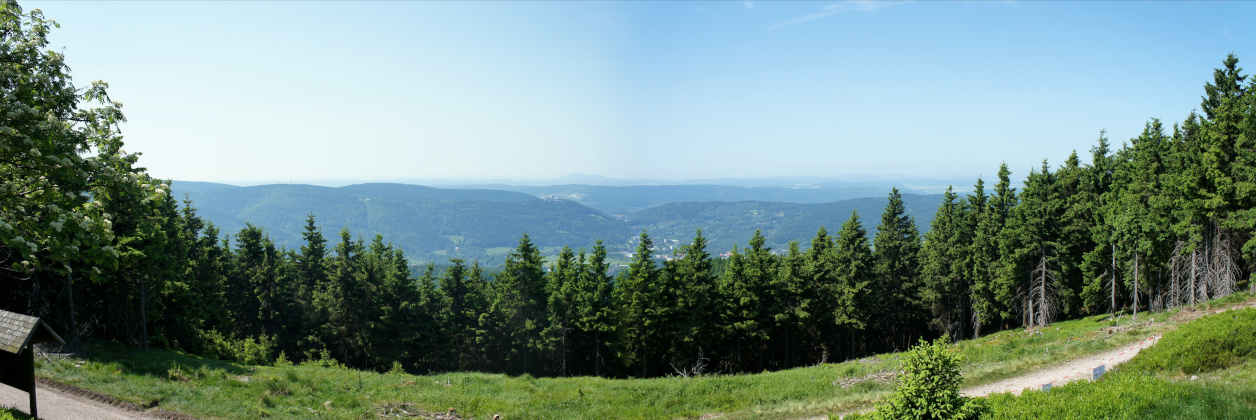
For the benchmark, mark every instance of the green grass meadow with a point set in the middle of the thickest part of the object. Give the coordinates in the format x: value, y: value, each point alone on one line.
x: 1206, y: 369
x: 1145, y: 388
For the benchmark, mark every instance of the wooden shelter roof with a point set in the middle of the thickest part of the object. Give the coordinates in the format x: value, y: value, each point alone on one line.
x: 17, y: 330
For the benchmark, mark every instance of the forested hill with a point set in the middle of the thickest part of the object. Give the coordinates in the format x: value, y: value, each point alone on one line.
x: 434, y: 224
x: 726, y: 224
x: 425, y: 222
x: 624, y: 200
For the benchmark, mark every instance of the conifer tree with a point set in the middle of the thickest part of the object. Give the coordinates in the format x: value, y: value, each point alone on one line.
x: 1225, y: 193
x: 458, y: 315
x: 792, y: 307
x: 898, y: 310
x: 974, y: 210
x: 1036, y: 256
x: 1138, y: 215
x: 1076, y: 220
x: 853, y: 268
x: 759, y: 271
x: 1099, y: 268
x: 820, y: 289
x: 521, y: 300
x: 563, y: 287
x: 695, y: 294
x: 991, y: 244
x: 205, y: 280
x: 403, y: 327
x: 637, y: 297
x: 311, y: 276
x: 946, y: 284
x: 595, y: 319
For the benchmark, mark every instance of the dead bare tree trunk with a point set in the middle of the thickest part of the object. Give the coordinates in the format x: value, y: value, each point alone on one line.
x: 1042, y: 290
x: 1112, y: 309
x: 1175, y: 262
x: 1226, y: 277
x: 1041, y: 299
x: 1135, y: 284
x: 1194, y: 274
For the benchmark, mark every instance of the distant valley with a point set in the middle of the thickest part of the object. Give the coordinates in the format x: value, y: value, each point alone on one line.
x: 434, y: 224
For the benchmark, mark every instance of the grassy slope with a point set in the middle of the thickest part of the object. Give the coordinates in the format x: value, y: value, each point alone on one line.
x: 1204, y: 370
x: 211, y: 388
x: 12, y: 414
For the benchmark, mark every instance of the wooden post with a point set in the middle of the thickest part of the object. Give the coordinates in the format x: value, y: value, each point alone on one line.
x: 18, y: 334
x: 30, y: 359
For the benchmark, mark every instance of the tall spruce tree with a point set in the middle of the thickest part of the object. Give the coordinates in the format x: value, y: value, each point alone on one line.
x: 1099, y: 269
x: 991, y: 243
x: 695, y: 296
x: 311, y: 276
x: 898, y: 309
x: 637, y: 295
x: 820, y: 291
x: 1034, y: 273
x: 946, y: 285
x: 563, y: 287
x: 595, y: 319
x: 853, y: 264
x: 521, y: 301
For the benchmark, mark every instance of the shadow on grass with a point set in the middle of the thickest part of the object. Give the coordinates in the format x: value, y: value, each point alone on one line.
x: 155, y: 362
x: 9, y: 413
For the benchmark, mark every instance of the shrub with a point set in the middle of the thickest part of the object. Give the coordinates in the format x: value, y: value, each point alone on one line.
x: 929, y: 388
x: 247, y: 350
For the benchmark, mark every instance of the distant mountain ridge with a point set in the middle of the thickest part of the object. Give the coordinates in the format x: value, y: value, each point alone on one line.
x: 434, y: 224
x: 623, y: 200
x: 728, y: 224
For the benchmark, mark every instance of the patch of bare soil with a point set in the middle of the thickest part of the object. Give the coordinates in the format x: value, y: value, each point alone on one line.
x: 73, y: 392
x: 1077, y: 369
x: 408, y: 410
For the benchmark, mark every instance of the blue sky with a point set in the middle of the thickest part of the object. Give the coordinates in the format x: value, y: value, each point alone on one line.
x: 316, y: 91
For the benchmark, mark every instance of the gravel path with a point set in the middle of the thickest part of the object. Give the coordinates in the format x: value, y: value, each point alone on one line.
x: 1066, y: 372
x: 60, y: 402
x: 1072, y: 370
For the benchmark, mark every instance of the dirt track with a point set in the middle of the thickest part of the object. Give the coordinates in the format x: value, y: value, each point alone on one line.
x: 1072, y: 370
x: 58, y: 401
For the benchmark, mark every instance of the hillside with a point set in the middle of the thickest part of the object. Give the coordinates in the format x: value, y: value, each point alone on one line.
x: 1155, y: 385
x: 624, y: 200
x: 433, y: 224
x: 728, y: 224
x: 423, y: 221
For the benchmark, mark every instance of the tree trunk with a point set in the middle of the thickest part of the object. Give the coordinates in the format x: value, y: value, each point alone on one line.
x: 1194, y: 275
x: 1135, y: 284
x: 1112, y: 309
x: 1042, y: 289
x: 143, y: 313
x: 74, y: 336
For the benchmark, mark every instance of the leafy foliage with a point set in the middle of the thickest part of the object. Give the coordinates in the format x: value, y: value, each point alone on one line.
x: 929, y: 388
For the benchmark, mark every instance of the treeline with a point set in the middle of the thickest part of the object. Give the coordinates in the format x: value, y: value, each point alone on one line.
x: 97, y: 247
x: 1164, y: 221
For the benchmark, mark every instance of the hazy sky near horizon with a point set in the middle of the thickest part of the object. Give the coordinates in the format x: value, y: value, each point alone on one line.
x: 309, y: 91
